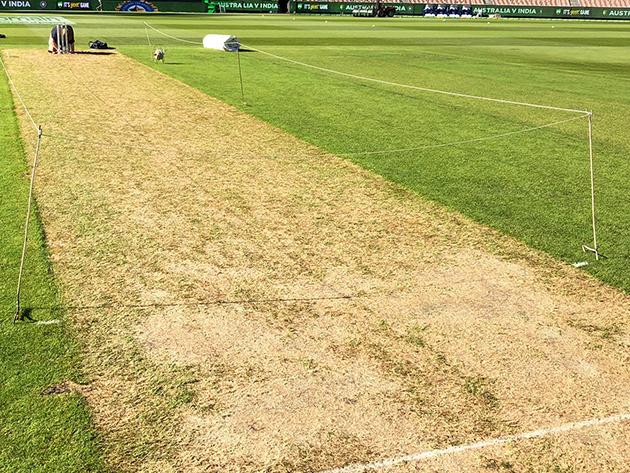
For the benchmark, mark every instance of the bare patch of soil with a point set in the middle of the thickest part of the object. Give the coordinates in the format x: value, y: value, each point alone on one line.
x: 249, y: 303
x: 64, y: 388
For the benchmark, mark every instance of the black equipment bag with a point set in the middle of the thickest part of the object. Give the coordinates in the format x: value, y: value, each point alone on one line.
x: 98, y: 44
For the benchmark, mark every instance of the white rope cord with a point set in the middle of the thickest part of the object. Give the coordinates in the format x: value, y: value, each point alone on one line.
x: 19, y: 96
x: 582, y: 113
x: 455, y: 143
x: 38, y: 129
x: 172, y: 37
x: 146, y: 31
x: 385, y: 82
x: 414, y: 87
x: 18, y: 305
x: 380, y: 81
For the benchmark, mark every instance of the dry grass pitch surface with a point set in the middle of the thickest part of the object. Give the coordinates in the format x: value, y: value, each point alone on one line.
x: 248, y: 303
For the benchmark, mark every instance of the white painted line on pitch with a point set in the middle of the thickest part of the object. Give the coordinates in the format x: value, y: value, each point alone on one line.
x: 415, y: 457
x: 47, y: 322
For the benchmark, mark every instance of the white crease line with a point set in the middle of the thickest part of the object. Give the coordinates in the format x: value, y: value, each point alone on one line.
x: 47, y: 322
x: 415, y: 457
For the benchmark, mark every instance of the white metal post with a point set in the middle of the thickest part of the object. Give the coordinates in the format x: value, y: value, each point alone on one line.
x: 590, y: 155
x: 585, y: 248
x: 240, y: 73
x: 64, y: 41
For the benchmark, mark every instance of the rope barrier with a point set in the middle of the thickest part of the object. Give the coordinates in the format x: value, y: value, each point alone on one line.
x: 456, y: 143
x: 172, y: 37
x: 582, y: 113
x: 18, y: 307
x: 414, y: 87
x: 385, y: 82
x: 29, y: 205
x: 146, y: 31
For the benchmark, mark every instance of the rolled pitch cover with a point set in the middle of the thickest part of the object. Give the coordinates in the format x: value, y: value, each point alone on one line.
x: 222, y: 42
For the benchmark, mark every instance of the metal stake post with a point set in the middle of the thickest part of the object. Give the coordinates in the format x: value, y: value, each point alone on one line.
x: 240, y: 73
x: 585, y: 248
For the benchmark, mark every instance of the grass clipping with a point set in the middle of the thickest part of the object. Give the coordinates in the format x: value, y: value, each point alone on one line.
x: 248, y: 303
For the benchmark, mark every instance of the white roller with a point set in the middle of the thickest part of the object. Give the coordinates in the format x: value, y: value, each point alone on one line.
x: 222, y: 42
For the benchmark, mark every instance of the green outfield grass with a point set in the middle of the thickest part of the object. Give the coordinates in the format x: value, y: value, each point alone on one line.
x: 39, y: 432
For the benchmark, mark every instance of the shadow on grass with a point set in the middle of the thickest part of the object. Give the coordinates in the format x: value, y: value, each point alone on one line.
x: 59, y: 309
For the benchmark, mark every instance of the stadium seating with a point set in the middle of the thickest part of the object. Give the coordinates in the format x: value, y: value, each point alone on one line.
x: 537, y: 3
x: 556, y: 3
x: 605, y: 3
